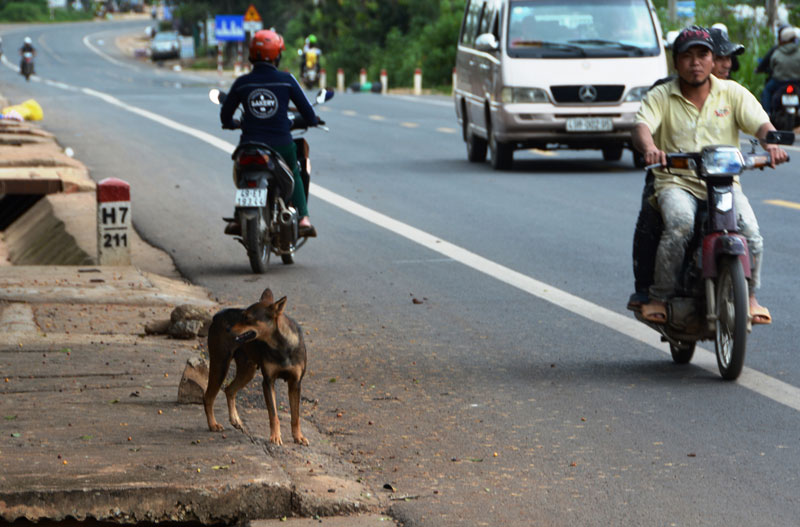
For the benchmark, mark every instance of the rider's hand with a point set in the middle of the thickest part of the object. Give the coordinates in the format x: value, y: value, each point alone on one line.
x: 777, y: 155
x: 234, y: 125
x: 654, y: 156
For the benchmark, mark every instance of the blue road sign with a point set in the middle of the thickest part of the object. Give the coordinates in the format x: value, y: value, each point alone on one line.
x: 685, y: 9
x: 229, y: 28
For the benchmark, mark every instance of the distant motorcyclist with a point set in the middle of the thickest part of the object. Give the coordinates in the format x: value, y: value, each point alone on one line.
x: 764, y: 67
x: 27, y: 47
x: 310, y: 55
x: 264, y: 94
x: 785, y: 61
x: 725, y: 52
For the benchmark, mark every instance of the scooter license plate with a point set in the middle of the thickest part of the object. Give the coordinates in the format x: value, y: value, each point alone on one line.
x: 790, y: 100
x: 589, y: 124
x: 251, y: 197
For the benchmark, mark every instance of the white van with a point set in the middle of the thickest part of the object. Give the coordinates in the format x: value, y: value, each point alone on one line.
x: 554, y: 74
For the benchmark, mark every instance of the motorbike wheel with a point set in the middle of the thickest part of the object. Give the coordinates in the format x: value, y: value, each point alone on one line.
x: 612, y: 153
x: 682, y: 353
x: 257, y: 242
x: 732, y: 313
x: 784, y: 121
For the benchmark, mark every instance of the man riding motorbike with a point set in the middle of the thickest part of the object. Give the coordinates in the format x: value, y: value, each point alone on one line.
x: 785, y: 61
x: 686, y: 114
x: 264, y: 94
x: 27, y: 47
x: 309, y: 49
x: 764, y: 67
x: 649, y: 225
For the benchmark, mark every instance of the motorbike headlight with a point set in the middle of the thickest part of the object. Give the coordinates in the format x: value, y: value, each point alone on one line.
x: 726, y: 160
x: 636, y: 94
x: 523, y: 95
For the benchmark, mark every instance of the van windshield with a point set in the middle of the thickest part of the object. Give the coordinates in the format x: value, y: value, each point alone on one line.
x: 581, y: 28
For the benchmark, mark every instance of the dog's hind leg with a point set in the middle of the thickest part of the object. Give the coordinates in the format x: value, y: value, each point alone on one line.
x: 294, y: 404
x: 272, y: 410
x: 245, y: 371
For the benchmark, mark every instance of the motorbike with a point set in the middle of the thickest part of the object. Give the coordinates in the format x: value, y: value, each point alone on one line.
x: 310, y: 68
x: 26, y: 67
x: 712, y: 300
x: 785, y: 105
x: 268, y: 224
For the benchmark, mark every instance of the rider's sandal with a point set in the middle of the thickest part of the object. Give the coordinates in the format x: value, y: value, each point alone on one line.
x: 760, y: 315
x: 307, y: 231
x: 655, y: 312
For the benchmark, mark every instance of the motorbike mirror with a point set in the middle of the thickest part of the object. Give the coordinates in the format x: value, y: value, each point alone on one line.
x: 324, y: 96
x: 216, y: 96
x: 780, y: 137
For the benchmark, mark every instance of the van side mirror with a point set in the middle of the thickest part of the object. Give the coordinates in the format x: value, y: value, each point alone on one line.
x: 778, y: 137
x: 487, y: 43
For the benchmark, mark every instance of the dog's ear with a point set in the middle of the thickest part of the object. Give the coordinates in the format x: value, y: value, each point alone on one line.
x: 279, y: 306
x: 266, y: 296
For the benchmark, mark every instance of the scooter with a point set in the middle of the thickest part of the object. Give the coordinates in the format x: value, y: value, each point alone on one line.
x: 785, y: 106
x: 264, y: 221
x: 26, y: 67
x: 712, y: 301
x: 310, y: 69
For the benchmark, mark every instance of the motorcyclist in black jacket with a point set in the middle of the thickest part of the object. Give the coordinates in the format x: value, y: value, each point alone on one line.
x: 264, y: 94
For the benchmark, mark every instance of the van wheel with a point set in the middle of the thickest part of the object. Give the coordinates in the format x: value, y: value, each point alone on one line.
x: 612, y: 153
x: 502, y: 153
x: 476, y: 146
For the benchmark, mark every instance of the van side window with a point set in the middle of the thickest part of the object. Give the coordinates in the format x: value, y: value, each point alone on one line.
x: 471, y: 22
x: 486, y: 20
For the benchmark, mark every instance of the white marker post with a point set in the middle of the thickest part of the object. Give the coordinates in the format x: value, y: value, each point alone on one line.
x: 340, y: 80
x: 219, y: 61
x: 113, y: 222
x: 384, y: 82
x: 417, y: 81
x: 362, y: 76
x: 323, y: 79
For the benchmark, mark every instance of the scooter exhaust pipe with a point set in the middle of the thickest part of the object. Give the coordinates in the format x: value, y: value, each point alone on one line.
x: 287, y: 219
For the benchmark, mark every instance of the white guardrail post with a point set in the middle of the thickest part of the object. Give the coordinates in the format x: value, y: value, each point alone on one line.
x: 340, y: 80
x: 113, y: 222
x: 417, y: 81
x: 384, y: 82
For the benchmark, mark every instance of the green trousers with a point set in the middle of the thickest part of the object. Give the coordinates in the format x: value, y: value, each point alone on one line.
x: 289, y: 154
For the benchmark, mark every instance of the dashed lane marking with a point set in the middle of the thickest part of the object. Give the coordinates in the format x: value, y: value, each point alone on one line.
x: 409, y: 125
x: 782, y: 203
x: 377, y: 118
x: 446, y: 130
x: 349, y: 113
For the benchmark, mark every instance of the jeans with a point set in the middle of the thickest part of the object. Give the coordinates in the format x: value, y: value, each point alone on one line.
x: 766, y: 96
x: 678, y: 208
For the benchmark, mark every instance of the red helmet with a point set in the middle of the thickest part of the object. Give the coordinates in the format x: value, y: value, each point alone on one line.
x: 266, y: 45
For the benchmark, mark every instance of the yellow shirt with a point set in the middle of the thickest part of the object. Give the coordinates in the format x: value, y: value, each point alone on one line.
x: 678, y: 126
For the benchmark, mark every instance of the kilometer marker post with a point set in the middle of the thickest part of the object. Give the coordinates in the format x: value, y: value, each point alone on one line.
x: 113, y: 222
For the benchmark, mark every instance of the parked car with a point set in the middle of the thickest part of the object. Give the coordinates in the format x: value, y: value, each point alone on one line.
x: 554, y: 74
x: 165, y: 45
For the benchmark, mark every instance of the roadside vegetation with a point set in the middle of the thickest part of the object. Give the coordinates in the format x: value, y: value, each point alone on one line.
x: 38, y: 11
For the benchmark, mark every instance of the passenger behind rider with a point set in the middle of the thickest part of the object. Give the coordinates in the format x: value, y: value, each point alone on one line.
x: 27, y: 46
x: 264, y: 94
x: 785, y: 61
x: 684, y: 115
x: 649, y: 225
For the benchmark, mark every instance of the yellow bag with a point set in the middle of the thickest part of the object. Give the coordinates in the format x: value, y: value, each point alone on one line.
x: 29, y: 110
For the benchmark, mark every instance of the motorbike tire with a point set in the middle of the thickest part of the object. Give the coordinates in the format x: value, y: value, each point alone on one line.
x: 784, y: 121
x: 682, y: 353
x: 613, y: 153
x: 257, y: 242
x: 732, y: 312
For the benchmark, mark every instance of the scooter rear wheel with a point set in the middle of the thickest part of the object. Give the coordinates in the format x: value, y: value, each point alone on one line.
x: 257, y: 242
x: 732, y: 313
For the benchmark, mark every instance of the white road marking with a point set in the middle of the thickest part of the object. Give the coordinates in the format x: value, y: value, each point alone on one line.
x: 377, y: 118
x: 754, y: 380
x: 409, y: 125
x: 423, y: 100
x: 446, y: 130
x: 104, y: 55
x: 349, y: 113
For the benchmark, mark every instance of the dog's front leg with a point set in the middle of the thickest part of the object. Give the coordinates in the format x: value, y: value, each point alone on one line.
x: 272, y: 409
x: 294, y: 405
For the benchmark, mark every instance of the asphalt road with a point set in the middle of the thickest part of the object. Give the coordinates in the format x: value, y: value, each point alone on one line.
x: 520, y: 391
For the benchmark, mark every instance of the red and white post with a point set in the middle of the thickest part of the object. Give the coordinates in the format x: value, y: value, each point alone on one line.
x: 384, y: 82
x: 362, y: 77
x: 323, y: 79
x: 418, y: 81
x: 113, y: 222
x: 237, y: 69
x: 340, y: 80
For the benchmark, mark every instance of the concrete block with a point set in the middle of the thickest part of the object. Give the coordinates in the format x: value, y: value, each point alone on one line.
x: 194, y: 381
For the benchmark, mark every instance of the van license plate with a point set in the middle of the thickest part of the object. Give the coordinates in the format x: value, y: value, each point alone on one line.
x: 790, y: 100
x: 589, y: 124
x: 251, y: 197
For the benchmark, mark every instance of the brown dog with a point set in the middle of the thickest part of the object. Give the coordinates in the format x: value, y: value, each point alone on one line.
x: 260, y: 336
